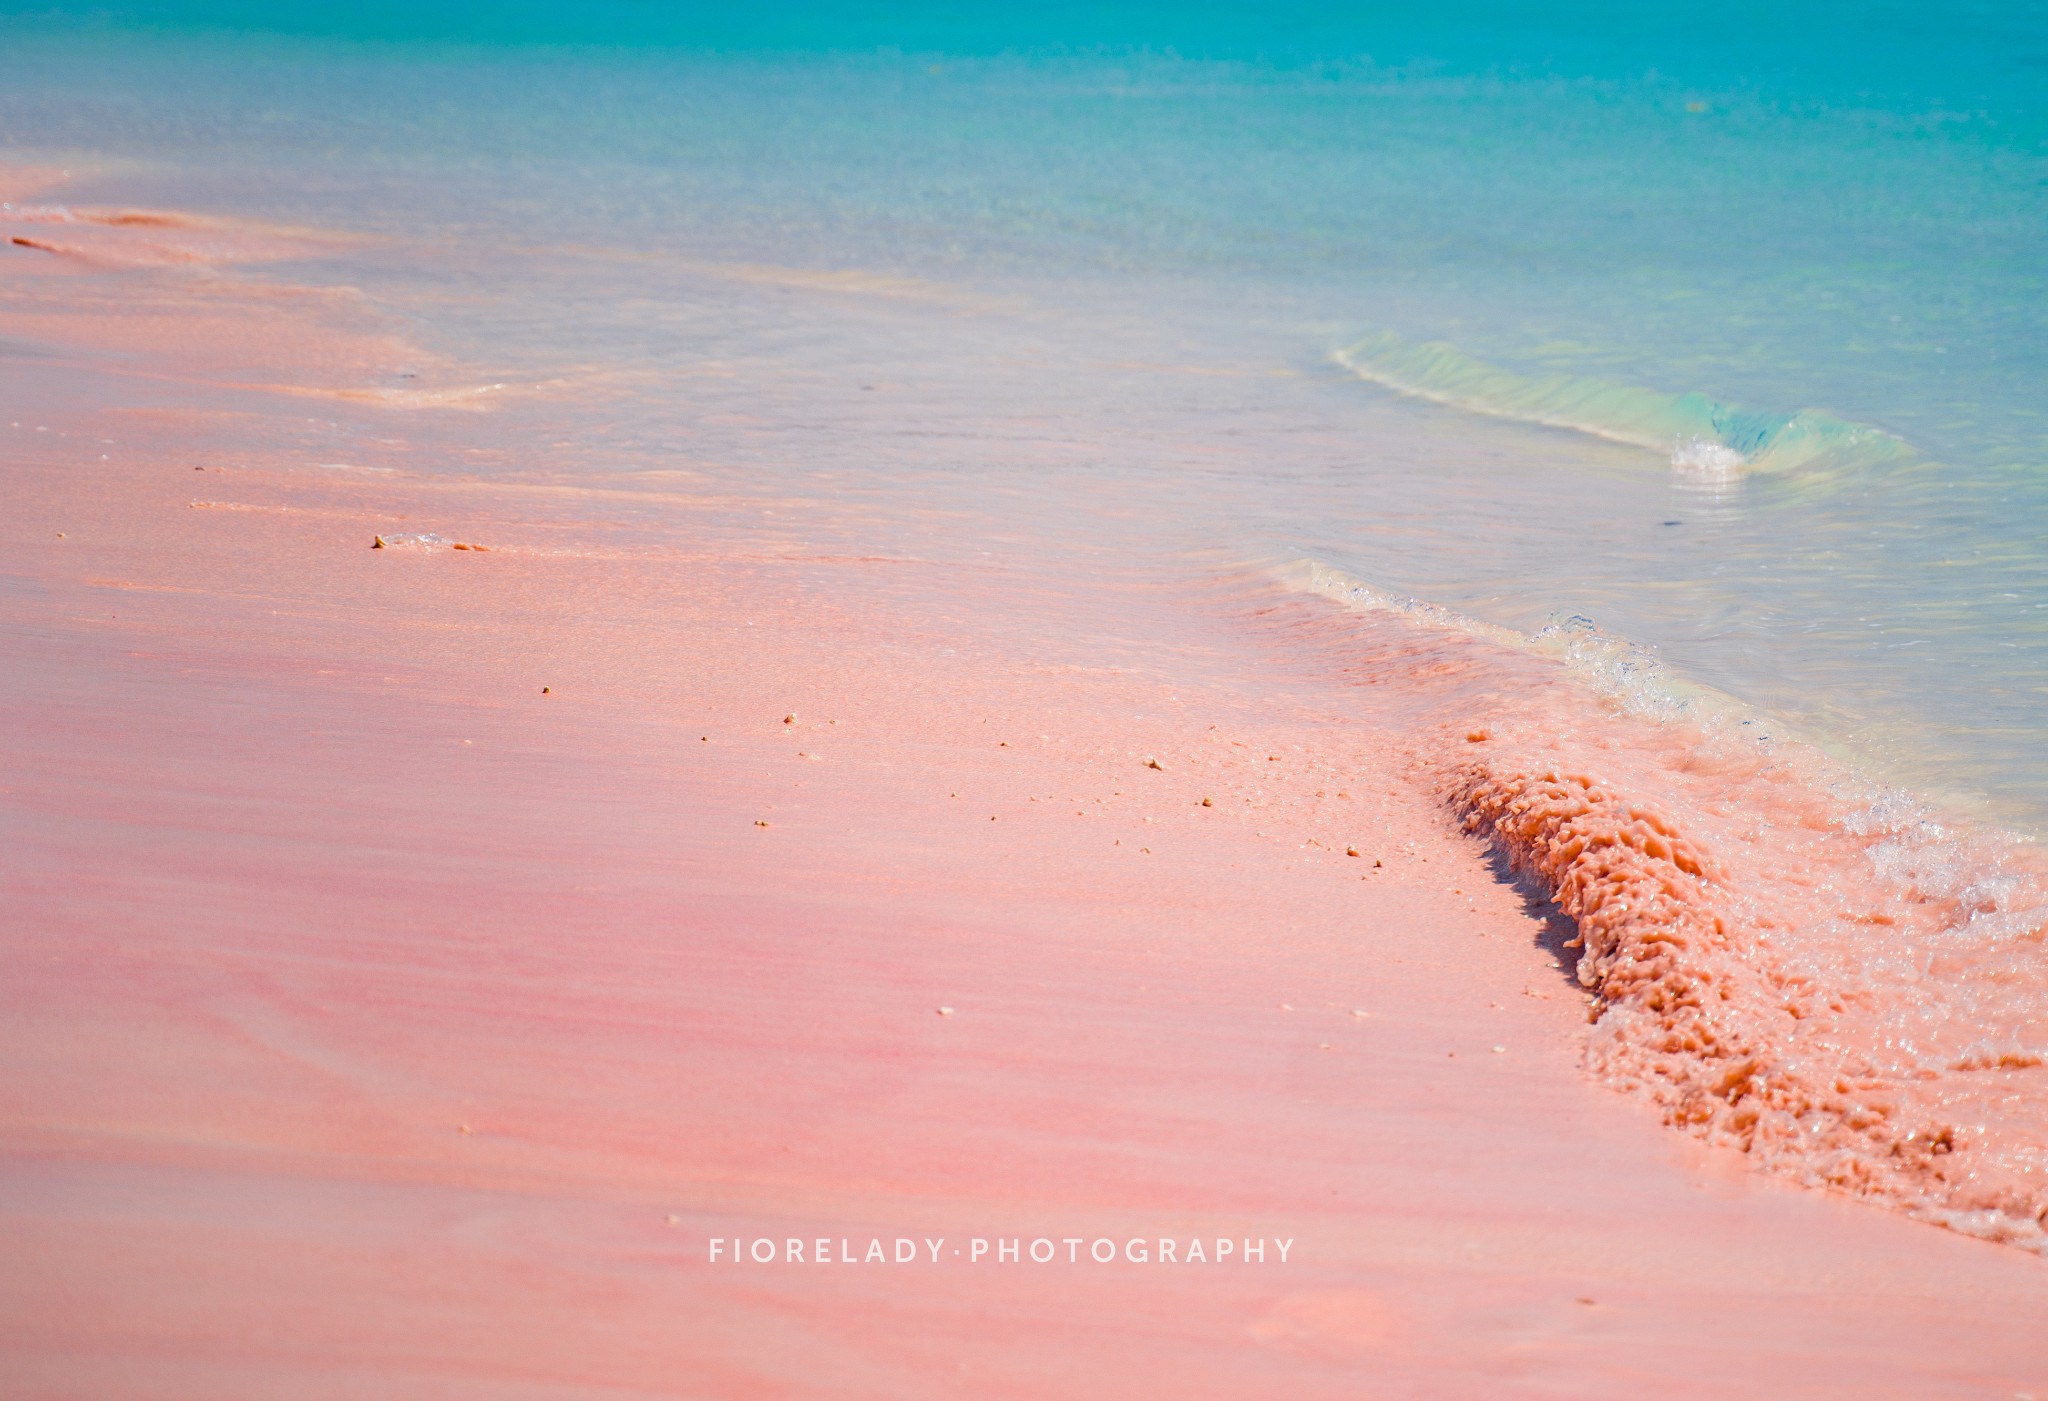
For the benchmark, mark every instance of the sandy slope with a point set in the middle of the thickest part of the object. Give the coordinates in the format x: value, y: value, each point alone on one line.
x: 379, y: 1024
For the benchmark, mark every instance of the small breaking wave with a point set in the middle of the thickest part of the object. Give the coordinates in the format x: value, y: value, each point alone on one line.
x: 1703, y: 439
x: 1827, y: 976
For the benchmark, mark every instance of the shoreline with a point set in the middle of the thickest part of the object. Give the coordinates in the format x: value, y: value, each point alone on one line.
x: 381, y: 1019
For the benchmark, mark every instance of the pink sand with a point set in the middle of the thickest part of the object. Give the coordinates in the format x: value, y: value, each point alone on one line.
x: 378, y: 1024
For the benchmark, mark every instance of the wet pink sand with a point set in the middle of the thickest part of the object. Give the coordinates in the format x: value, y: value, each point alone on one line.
x: 376, y: 1023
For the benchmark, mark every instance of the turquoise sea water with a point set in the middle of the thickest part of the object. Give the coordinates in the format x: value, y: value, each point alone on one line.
x: 1725, y: 331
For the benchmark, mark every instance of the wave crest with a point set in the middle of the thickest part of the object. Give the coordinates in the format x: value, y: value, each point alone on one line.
x: 1700, y: 436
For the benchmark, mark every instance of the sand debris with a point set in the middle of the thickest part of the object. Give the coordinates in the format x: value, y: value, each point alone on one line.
x: 425, y: 541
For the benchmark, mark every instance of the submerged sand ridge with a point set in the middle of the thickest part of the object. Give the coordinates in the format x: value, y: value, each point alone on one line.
x: 170, y: 296
x: 421, y: 956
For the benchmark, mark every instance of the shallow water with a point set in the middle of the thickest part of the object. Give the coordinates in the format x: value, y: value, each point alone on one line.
x: 1837, y: 221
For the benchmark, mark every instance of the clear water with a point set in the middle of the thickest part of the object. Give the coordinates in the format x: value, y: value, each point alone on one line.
x: 1129, y: 239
